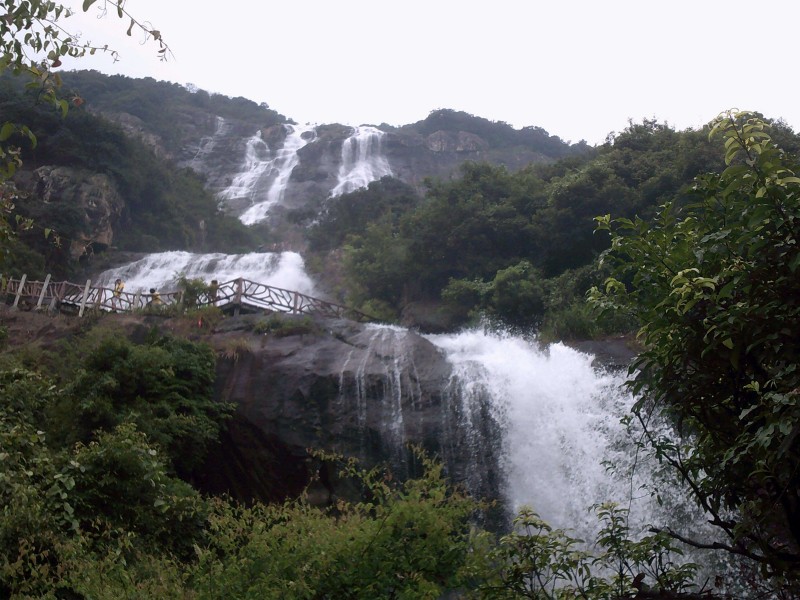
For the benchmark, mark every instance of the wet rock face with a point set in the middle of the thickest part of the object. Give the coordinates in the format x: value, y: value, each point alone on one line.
x: 364, y: 391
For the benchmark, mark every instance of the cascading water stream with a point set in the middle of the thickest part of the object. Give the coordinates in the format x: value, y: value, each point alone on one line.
x: 560, y: 419
x: 257, y: 161
x: 564, y: 447
x: 363, y: 160
x: 280, y: 170
x: 397, y: 384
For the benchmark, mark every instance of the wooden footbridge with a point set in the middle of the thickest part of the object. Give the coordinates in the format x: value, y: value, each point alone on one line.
x: 235, y: 296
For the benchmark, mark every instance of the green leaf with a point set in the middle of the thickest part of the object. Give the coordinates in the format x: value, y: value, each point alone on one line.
x: 6, y: 131
x: 87, y: 4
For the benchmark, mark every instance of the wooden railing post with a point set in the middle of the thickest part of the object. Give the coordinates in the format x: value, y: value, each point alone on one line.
x: 237, y: 298
x: 19, y: 290
x: 85, y: 297
x: 44, y: 289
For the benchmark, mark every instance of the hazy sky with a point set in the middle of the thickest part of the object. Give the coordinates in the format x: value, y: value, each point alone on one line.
x: 578, y: 68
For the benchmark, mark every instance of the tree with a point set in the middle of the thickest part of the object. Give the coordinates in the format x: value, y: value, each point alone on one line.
x: 32, y: 43
x: 715, y: 285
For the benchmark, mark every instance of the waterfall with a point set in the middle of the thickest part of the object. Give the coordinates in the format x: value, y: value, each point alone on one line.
x: 257, y: 161
x: 564, y: 446
x: 207, y: 145
x: 163, y: 270
x: 559, y: 415
x: 540, y: 424
x: 279, y: 169
x: 362, y: 160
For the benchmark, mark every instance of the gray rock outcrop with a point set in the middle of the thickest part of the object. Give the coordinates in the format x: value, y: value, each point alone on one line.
x: 363, y: 391
x: 93, y: 197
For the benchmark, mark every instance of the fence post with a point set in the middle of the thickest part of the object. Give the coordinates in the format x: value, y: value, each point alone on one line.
x: 19, y: 290
x: 85, y: 297
x: 44, y: 289
x: 136, y: 298
x: 98, y: 302
x: 237, y: 299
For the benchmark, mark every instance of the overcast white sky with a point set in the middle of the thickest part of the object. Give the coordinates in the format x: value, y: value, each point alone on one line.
x: 578, y: 68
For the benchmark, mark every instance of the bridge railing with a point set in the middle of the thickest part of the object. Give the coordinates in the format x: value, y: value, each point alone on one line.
x: 236, y: 294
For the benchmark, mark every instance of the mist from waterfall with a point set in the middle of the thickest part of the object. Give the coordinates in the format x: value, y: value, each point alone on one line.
x: 163, y: 270
x: 363, y: 160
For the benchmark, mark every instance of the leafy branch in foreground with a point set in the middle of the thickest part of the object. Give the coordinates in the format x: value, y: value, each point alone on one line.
x: 716, y: 284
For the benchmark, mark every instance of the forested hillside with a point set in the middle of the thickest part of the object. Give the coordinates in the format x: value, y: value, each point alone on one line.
x: 517, y: 246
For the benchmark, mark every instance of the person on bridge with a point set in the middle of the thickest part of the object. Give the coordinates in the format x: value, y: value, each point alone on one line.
x: 155, y: 298
x: 119, y: 285
x: 213, y: 292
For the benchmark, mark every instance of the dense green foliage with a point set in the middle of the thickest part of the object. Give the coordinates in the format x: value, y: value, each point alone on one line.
x: 510, y: 246
x: 33, y: 40
x: 81, y: 479
x: 715, y: 283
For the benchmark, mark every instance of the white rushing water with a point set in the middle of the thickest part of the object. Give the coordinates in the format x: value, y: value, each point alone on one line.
x: 278, y: 170
x: 561, y: 422
x: 163, y: 270
x: 363, y: 160
x: 257, y: 161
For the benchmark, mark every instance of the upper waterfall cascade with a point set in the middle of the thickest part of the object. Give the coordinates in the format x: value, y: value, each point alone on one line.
x: 363, y: 160
x: 264, y: 175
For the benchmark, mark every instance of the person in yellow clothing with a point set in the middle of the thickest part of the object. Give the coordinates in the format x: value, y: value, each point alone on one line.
x: 155, y: 298
x: 119, y: 285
